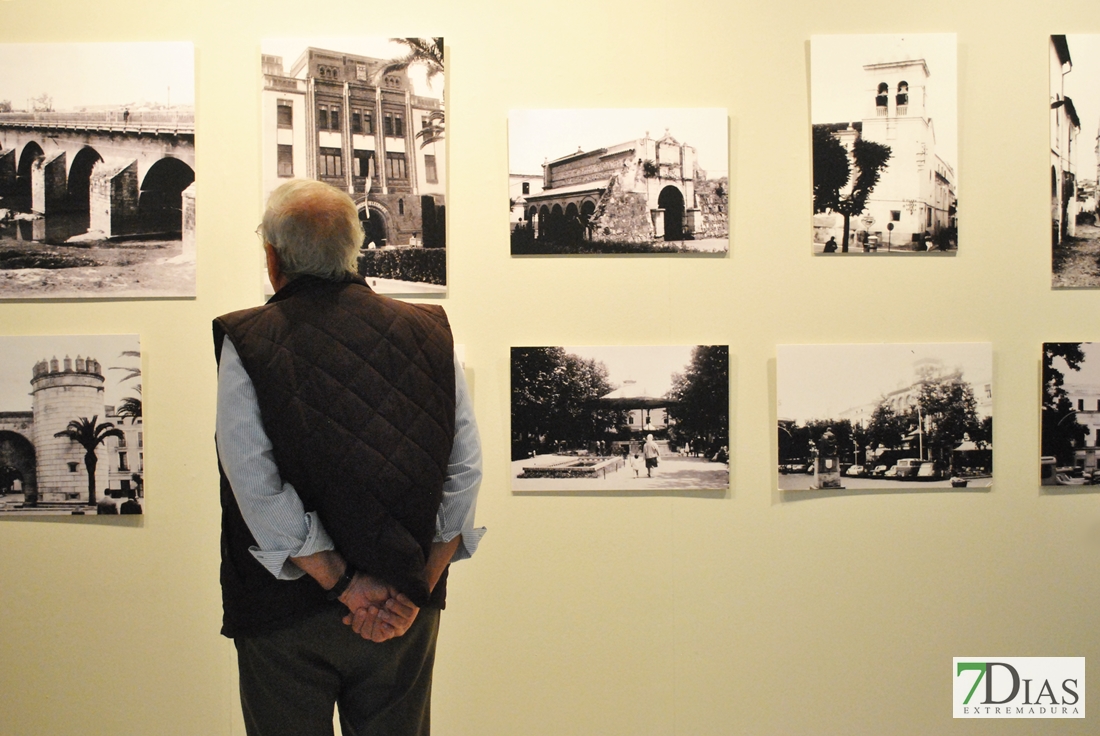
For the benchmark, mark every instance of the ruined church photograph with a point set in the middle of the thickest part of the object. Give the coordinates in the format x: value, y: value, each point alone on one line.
x: 618, y: 181
x: 97, y: 170
x: 71, y: 436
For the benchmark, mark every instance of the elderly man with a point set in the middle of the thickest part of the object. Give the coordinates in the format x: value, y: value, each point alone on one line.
x: 350, y: 464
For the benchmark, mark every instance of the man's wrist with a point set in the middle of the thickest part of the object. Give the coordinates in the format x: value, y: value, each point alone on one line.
x: 342, y: 584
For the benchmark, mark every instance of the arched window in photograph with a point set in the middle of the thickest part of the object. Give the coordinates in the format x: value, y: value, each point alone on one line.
x: 882, y: 98
x: 903, y: 96
x: 400, y: 206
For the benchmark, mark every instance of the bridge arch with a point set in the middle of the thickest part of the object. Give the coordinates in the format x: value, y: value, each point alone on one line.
x: 160, y: 203
x: 31, y: 153
x: 80, y: 178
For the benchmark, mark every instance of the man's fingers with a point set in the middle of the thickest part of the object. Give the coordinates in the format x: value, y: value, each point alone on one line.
x: 362, y: 620
x: 403, y: 608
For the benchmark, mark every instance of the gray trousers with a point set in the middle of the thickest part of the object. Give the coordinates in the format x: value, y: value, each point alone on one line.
x: 291, y: 679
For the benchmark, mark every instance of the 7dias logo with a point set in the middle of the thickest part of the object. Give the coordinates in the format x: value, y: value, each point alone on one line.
x: 1019, y: 687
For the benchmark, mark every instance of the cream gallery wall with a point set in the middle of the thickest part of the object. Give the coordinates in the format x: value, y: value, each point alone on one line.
x: 735, y: 346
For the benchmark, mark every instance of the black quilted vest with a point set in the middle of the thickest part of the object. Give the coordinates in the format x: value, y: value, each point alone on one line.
x: 357, y: 393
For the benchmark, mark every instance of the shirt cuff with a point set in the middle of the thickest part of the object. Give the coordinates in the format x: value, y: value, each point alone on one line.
x: 278, y: 563
x: 471, y: 538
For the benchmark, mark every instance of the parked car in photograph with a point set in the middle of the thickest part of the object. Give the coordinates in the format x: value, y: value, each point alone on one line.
x: 908, y: 467
x: 856, y: 471
x: 879, y: 471
x: 929, y: 471
x: 891, y: 473
x: 1052, y: 475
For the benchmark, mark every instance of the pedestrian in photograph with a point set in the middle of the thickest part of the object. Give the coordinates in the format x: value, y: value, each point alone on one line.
x: 636, y: 464
x: 830, y: 245
x: 651, y: 451
x: 350, y: 464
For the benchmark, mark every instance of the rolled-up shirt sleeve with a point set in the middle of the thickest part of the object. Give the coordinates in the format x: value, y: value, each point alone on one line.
x: 456, y: 513
x: 271, y: 508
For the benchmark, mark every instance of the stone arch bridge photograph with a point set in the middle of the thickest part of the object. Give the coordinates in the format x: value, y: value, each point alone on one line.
x: 97, y: 170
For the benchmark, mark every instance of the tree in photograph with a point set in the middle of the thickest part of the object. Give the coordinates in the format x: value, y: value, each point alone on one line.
x: 842, y: 434
x: 830, y: 184
x: 130, y: 406
x: 90, y: 436
x: 831, y: 169
x: 42, y: 103
x: 947, y: 407
x: 426, y: 53
x: 984, y: 435
x: 434, y: 129
x: 700, y: 398
x: 888, y: 428
x: 555, y: 401
x: 1062, y: 433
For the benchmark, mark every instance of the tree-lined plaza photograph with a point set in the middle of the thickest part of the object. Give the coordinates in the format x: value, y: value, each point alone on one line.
x: 884, y: 416
x: 71, y: 438
x: 884, y: 117
x: 620, y: 418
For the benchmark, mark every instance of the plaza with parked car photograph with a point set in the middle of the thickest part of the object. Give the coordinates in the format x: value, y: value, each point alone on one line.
x: 885, y: 416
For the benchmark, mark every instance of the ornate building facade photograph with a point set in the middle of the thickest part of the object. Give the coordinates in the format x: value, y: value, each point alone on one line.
x: 71, y: 437
x: 619, y: 181
x: 97, y: 170
x: 366, y: 115
x: 884, y: 114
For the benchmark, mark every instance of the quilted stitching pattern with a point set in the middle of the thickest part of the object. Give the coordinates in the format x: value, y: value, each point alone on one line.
x: 356, y: 391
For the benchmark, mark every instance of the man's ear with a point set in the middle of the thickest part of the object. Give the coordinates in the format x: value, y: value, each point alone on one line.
x: 274, y: 267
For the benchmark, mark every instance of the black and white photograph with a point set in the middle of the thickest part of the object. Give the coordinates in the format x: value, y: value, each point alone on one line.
x: 1070, y: 414
x: 885, y: 144
x: 619, y: 181
x: 1074, y: 161
x: 620, y: 418
x: 71, y: 440
x: 885, y: 416
x: 97, y: 170
x: 366, y: 115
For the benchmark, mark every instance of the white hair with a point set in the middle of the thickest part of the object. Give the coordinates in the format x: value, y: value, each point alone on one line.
x: 314, y: 228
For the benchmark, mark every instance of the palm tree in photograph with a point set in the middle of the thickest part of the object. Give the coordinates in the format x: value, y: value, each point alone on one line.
x: 90, y: 435
x: 426, y: 53
x: 131, y: 405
